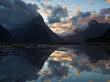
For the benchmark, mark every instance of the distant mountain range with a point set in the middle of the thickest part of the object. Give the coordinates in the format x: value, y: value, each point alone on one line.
x: 105, y: 37
x: 95, y: 32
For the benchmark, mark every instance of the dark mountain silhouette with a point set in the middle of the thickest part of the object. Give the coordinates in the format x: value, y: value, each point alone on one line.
x: 4, y: 34
x: 35, y: 31
x: 93, y: 30
x: 28, y: 61
x: 105, y: 37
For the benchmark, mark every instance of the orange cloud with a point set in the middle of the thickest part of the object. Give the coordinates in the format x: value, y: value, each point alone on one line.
x: 61, y: 56
x: 108, y: 1
x: 62, y: 27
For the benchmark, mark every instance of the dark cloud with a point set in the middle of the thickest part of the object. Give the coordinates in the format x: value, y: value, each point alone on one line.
x: 105, y: 11
x: 85, y: 14
x: 50, y: 7
x: 80, y: 21
x: 57, y: 69
x: 14, y: 13
x: 58, y: 12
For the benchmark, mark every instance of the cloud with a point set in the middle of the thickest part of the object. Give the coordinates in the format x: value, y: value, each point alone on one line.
x: 57, y: 13
x: 31, y: 1
x: 15, y: 13
x: 81, y: 28
x: 61, y: 21
x: 57, y: 69
x: 91, y: 2
x: 108, y: 1
x: 86, y: 14
x: 82, y: 19
x: 105, y: 11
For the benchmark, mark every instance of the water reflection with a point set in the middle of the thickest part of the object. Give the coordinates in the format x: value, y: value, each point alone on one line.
x: 67, y: 63
x: 78, y: 63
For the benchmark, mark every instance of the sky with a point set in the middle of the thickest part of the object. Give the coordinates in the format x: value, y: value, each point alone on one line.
x: 84, y: 4
x: 59, y: 14
x: 87, y: 5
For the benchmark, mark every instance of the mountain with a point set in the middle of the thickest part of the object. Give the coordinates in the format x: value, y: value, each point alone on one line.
x: 35, y: 31
x: 4, y: 34
x: 86, y: 35
x: 105, y: 37
x: 21, y: 64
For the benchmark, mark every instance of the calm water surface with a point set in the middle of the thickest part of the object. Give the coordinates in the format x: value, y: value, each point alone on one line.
x: 62, y: 63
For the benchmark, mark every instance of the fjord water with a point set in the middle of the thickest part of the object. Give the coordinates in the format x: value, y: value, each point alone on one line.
x: 55, y: 63
x: 77, y: 63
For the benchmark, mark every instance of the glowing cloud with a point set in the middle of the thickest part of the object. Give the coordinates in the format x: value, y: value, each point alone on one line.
x: 62, y: 27
x: 77, y: 11
x: 60, y: 56
x: 108, y: 1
